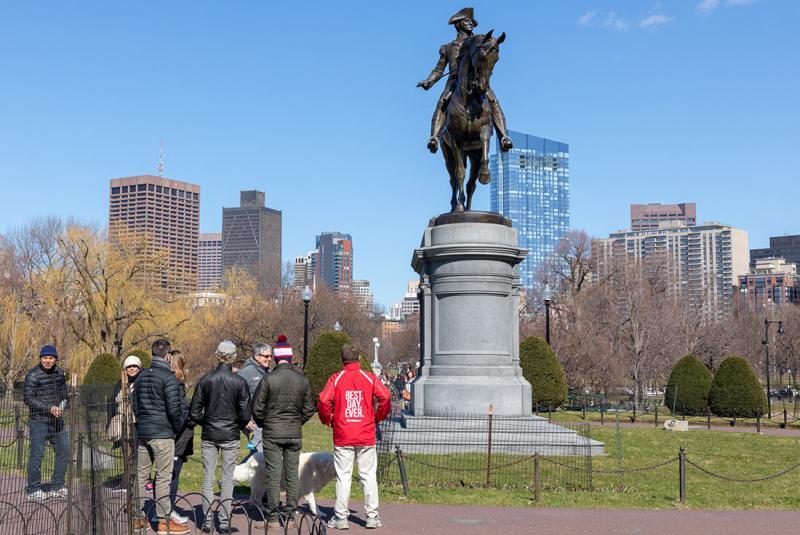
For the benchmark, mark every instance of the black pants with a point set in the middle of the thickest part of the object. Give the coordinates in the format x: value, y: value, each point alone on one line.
x: 282, y: 456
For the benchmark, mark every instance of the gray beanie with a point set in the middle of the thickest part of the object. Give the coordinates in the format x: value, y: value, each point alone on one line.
x: 226, y: 351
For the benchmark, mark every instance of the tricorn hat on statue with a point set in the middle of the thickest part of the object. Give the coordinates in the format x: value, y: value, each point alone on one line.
x: 466, y: 13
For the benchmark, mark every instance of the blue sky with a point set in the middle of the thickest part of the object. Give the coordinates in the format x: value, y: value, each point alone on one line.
x: 315, y: 103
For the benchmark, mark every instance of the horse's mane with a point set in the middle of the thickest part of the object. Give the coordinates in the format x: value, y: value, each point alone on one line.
x: 468, y: 46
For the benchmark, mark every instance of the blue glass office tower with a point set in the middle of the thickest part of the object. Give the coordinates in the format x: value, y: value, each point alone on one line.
x: 530, y: 186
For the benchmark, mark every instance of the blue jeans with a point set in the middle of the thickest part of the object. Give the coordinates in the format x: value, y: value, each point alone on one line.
x: 40, y: 432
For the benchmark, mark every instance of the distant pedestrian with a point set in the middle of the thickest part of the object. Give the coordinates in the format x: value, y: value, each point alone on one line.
x: 45, y: 395
x: 184, y: 441
x: 283, y: 404
x: 347, y: 403
x: 221, y: 405
x: 256, y: 368
x: 159, y: 419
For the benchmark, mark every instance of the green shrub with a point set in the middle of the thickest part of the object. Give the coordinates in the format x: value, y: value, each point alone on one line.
x: 144, y: 356
x: 688, y: 386
x: 325, y: 359
x: 736, y: 390
x: 544, y: 372
x: 105, y: 370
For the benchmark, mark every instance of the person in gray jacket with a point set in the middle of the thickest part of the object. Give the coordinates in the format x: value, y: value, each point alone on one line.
x: 256, y: 368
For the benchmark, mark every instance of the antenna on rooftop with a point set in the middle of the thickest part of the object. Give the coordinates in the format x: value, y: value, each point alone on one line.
x: 161, y: 158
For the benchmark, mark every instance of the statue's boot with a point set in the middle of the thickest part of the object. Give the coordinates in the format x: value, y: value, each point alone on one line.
x: 500, y: 126
x: 437, y: 125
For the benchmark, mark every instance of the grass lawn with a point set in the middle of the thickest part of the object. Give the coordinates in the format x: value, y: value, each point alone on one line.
x: 740, y: 455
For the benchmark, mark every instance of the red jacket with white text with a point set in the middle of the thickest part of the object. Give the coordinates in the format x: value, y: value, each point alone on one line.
x: 348, y: 401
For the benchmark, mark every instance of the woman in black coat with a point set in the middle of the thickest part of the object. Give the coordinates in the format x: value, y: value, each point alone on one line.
x: 184, y: 441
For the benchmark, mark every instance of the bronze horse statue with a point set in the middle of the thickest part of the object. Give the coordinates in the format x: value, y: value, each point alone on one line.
x: 468, y: 123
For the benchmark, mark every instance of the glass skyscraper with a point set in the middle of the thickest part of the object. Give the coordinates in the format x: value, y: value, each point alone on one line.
x: 530, y: 186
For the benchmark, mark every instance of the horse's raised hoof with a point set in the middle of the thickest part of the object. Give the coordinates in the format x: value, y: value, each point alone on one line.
x: 433, y: 145
x: 484, y: 178
x: 506, y: 144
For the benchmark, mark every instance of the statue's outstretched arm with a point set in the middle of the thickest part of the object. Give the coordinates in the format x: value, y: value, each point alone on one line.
x: 437, y: 72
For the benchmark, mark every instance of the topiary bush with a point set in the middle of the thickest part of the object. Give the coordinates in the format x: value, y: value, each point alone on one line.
x: 544, y: 372
x: 325, y: 359
x: 691, y: 381
x: 104, y: 370
x: 144, y: 356
x: 736, y: 390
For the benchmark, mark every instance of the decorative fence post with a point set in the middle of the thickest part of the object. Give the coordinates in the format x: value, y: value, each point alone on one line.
x: 758, y: 423
x: 682, y: 474
x: 20, y: 435
x: 785, y: 418
x: 489, y: 450
x: 583, y: 411
x: 402, y: 466
x: 602, y: 415
x: 634, y: 413
x: 708, y: 418
x: 72, y: 430
x: 537, y: 482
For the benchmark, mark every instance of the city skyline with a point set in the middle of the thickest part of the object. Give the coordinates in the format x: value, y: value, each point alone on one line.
x: 692, y: 105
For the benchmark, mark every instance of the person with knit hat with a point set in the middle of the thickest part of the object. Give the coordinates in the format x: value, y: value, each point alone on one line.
x: 283, y: 404
x: 221, y: 405
x: 45, y: 394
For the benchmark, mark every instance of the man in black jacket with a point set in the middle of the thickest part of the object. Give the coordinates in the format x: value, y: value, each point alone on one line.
x: 45, y: 394
x: 221, y: 405
x: 282, y: 405
x: 156, y: 402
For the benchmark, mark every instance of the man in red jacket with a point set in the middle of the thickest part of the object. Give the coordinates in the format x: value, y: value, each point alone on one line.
x: 347, y: 403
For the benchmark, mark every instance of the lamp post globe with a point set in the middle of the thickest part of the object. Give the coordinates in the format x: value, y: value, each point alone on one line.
x: 337, y: 326
x: 306, y: 295
x: 376, y: 366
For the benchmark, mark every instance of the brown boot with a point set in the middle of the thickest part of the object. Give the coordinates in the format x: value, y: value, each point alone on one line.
x: 139, y: 523
x: 170, y: 527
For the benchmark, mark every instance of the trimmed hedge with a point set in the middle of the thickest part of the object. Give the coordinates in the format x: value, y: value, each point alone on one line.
x: 736, y: 390
x: 104, y: 370
x: 544, y: 372
x: 691, y: 380
x: 325, y: 359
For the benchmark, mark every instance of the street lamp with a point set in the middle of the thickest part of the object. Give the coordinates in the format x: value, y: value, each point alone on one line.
x: 376, y: 366
x: 337, y: 326
x: 306, y: 294
x: 765, y: 341
x: 547, y: 320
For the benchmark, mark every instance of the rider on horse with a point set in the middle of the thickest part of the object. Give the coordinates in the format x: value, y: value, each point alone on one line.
x: 464, y: 22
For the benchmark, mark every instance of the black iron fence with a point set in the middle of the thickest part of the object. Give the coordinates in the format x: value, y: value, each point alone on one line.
x: 462, y: 450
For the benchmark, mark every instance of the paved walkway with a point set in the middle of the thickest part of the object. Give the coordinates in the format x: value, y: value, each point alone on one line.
x: 411, y: 519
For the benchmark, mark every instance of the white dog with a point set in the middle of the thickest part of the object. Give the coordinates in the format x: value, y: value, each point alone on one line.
x: 316, y: 470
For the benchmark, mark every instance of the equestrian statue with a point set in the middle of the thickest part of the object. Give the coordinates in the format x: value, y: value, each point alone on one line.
x: 467, y: 110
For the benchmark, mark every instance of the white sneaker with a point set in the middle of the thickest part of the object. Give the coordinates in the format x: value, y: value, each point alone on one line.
x: 338, y: 523
x: 37, y: 496
x: 58, y: 494
x: 373, y: 522
x: 178, y: 518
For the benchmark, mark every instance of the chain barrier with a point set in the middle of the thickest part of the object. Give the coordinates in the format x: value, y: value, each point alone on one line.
x: 623, y: 471
x: 741, y: 480
x: 480, y: 469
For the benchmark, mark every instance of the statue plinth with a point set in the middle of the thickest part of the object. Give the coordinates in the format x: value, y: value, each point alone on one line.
x: 469, y: 317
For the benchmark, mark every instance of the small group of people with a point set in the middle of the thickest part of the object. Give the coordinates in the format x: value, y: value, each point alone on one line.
x: 268, y: 399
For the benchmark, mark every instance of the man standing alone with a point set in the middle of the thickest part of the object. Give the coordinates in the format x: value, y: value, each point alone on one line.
x: 45, y: 393
x: 156, y: 403
x: 283, y: 404
x: 256, y: 368
x: 347, y: 404
x: 221, y: 404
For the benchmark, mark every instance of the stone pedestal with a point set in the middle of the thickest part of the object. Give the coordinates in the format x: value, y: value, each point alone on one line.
x: 469, y: 320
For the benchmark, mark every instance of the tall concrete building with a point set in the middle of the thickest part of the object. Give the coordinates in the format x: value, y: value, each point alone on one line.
x: 530, y: 186
x: 305, y: 269
x: 786, y: 247
x: 251, y: 238
x: 648, y: 216
x: 362, y: 293
x: 166, y: 213
x: 703, y: 262
x: 210, y: 262
x: 334, y: 266
x: 771, y: 282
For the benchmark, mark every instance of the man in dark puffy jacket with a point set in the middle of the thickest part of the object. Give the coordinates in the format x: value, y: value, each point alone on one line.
x: 283, y: 404
x: 45, y: 394
x: 156, y: 402
x: 221, y: 405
